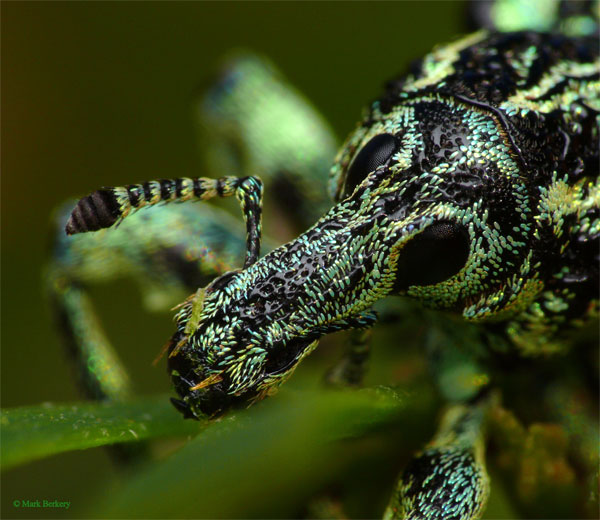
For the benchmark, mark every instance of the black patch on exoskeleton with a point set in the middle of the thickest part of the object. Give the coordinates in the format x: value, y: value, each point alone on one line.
x: 148, y: 191
x: 580, y: 156
x: 198, y: 189
x: 444, y: 132
x: 220, y: 187
x: 167, y: 187
x: 581, y: 258
x: 133, y: 192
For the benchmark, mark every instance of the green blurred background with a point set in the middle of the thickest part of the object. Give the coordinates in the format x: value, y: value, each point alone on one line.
x: 100, y: 94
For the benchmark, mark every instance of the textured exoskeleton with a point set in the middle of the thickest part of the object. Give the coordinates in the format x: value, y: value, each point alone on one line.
x: 174, y: 249
x: 471, y: 185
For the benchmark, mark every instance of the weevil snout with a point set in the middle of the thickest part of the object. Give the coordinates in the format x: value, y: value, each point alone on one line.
x: 251, y: 328
x: 422, y: 211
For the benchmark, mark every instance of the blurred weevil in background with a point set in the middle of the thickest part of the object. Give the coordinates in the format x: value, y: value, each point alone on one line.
x: 471, y: 185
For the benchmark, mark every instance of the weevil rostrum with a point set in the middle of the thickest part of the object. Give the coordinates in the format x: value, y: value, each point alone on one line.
x: 471, y: 186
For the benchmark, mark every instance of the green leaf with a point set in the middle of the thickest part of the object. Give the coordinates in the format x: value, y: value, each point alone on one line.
x: 260, y: 461
x: 33, y: 432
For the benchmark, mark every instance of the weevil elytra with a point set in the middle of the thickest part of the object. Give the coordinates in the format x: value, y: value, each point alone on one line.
x: 471, y: 185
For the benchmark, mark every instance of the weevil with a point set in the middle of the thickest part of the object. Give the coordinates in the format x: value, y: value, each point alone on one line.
x: 471, y: 185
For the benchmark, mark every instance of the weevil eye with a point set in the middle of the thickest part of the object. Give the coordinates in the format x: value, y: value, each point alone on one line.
x: 433, y: 256
x: 375, y: 153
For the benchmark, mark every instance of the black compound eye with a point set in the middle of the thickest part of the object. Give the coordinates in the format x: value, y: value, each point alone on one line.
x: 375, y: 153
x: 433, y: 256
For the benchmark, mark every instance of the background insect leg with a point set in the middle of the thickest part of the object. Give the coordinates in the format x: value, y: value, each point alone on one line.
x: 351, y: 369
x: 101, y: 373
x: 169, y: 252
x: 253, y: 121
x: 565, y: 16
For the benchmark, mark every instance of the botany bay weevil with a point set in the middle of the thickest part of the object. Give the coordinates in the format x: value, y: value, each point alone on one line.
x: 470, y: 185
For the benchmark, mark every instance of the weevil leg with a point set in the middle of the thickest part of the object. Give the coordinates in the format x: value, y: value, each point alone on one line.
x: 448, y: 478
x: 351, y: 369
x: 249, y: 193
x: 101, y: 373
x: 169, y: 252
x: 252, y: 120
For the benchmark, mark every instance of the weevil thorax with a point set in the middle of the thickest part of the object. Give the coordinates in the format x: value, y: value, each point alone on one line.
x: 448, y: 191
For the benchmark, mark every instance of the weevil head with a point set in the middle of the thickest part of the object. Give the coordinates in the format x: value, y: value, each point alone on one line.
x: 450, y: 179
x: 449, y: 191
x: 429, y: 203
